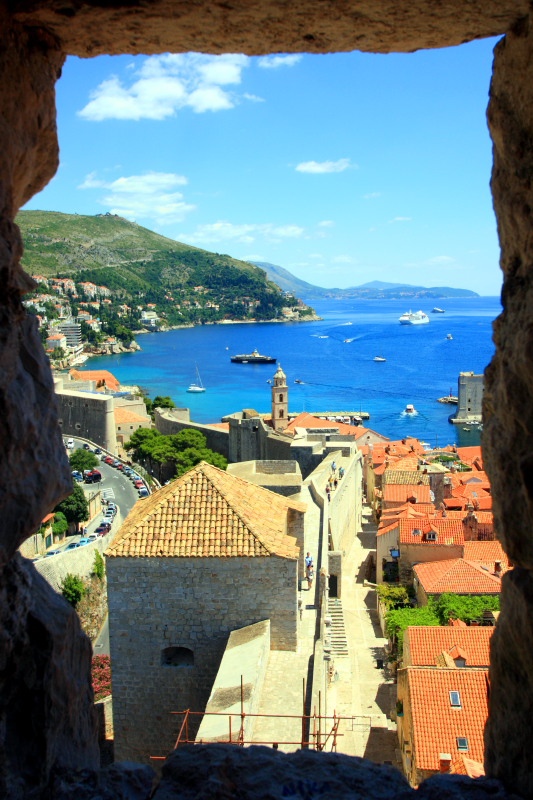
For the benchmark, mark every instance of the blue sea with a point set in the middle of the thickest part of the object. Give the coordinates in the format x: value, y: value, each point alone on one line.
x: 338, y: 376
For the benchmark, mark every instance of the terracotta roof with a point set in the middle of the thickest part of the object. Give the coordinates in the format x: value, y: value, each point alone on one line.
x: 208, y: 513
x: 408, y: 463
x: 446, y: 531
x: 436, y: 724
x: 427, y: 642
x: 458, y: 576
x: 467, y: 766
x: 98, y: 375
x: 305, y: 420
x: 125, y: 415
x: 486, y: 553
x: 402, y: 477
x: 223, y: 426
x: 393, y: 493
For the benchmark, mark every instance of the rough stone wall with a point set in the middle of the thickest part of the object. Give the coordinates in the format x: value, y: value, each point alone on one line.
x: 217, y: 439
x: 508, y: 411
x: 88, y: 415
x: 345, y: 507
x: 422, y: 553
x: 156, y: 603
x: 79, y: 561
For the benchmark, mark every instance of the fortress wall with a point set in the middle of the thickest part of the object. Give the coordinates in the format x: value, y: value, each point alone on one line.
x: 79, y: 561
x: 217, y: 439
x: 90, y: 416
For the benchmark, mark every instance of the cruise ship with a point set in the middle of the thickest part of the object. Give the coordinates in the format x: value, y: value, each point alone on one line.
x: 253, y: 358
x: 414, y: 318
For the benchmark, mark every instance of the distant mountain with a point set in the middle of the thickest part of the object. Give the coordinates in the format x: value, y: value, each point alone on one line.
x: 371, y: 290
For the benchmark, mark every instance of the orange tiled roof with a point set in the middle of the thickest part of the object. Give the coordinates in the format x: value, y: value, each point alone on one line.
x: 403, y: 476
x: 223, y: 426
x: 407, y: 464
x: 458, y: 576
x: 427, y: 642
x: 436, y: 724
x: 305, y: 420
x: 98, y: 375
x: 395, y: 493
x: 460, y: 503
x: 467, y: 766
x: 486, y: 553
x: 123, y: 415
x: 208, y: 513
x: 447, y: 531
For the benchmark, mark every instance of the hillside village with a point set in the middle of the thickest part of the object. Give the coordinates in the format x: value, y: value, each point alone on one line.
x: 210, y: 589
x: 78, y: 319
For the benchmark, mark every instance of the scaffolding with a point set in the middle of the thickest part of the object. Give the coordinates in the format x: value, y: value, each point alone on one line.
x: 318, y: 731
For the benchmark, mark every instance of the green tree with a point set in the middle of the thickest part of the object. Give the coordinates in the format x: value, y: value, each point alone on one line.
x: 75, y: 507
x: 393, y: 596
x: 191, y: 456
x: 140, y: 438
x: 398, y: 620
x: 82, y: 459
x: 189, y: 437
x: 60, y: 526
x: 468, y: 608
x: 98, y: 566
x: 163, y: 402
x: 57, y: 353
x: 72, y: 588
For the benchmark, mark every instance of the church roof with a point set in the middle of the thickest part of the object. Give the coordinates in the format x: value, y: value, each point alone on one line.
x: 208, y: 513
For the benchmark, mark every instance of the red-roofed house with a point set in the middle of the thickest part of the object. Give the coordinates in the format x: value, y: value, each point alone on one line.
x: 127, y: 422
x: 102, y: 377
x: 424, y: 644
x: 456, y: 576
x: 395, y: 495
x: 444, y: 716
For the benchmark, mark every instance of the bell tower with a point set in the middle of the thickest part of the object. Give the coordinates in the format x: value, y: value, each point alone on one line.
x: 280, y: 401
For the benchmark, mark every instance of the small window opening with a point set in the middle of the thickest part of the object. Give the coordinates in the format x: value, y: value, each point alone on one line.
x: 281, y: 413
x: 462, y: 743
x: 177, y: 657
x: 281, y: 398
x: 455, y: 699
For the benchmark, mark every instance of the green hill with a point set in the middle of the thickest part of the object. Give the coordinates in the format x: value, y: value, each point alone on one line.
x: 122, y: 255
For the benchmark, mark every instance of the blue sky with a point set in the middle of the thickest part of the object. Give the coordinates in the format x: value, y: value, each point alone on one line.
x: 342, y: 168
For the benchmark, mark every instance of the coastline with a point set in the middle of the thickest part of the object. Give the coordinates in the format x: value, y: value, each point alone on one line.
x: 313, y: 318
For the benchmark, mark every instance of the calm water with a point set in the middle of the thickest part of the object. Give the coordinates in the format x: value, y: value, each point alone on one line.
x: 421, y: 364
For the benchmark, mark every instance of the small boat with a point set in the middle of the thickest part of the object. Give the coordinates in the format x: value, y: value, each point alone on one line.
x: 410, y: 409
x: 196, y: 387
x: 269, y: 380
x: 449, y: 336
x: 347, y: 341
x: 437, y: 310
x: 379, y: 358
x: 414, y: 318
x: 297, y: 381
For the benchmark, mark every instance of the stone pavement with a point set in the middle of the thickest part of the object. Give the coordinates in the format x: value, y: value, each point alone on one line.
x: 360, y: 690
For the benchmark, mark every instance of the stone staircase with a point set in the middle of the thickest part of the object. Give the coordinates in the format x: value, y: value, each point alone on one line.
x: 339, y: 644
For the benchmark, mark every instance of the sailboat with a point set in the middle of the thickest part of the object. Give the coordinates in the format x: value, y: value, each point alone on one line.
x: 197, y: 387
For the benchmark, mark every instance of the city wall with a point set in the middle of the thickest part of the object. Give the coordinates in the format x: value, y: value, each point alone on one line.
x: 78, y: 561
x: 194, y: 603
x: 90, y: 415
x: 171, y: 421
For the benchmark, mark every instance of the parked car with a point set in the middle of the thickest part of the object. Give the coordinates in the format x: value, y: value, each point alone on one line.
x: 84, y: 541
x: 97, y: 451
x: 102, y: 530
x: 86, y: 446
x: 138, y: 484
x: 70, y: 444
x: 72, y: 546
x: 112, y: 507
x: 93, y: 476
x: 77, y: 475
x: 52, y: 553
x: 93, y: 537
x: 144, y: 492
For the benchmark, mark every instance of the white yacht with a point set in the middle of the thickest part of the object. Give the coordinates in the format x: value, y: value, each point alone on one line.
x: 414, y: 318
x: 197, y: 387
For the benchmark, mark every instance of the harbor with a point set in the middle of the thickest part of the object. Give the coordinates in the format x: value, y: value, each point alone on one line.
x: 349, y: 417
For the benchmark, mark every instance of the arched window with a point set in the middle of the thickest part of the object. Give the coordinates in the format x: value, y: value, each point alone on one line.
x: 281, y: 413
x: 177, y: 657
x: 281, y: 398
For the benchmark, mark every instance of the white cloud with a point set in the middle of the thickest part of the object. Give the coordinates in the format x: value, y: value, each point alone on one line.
x: 343, y: 259
x: 151, y: 196
x: 371, y: 195
x: 274, y: 62
x: 246, y: 233
x: 322, y: 167
x: 400, y: 219
x: 165, y: 84
x: 316, y: 255
x: 254, y: 98
x: 436, y: 260
x: 326, y: 223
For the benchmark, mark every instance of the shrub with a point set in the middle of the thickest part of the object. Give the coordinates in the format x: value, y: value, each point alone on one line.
x: 98, y: 566
x: 468, y: 608
x: 72, y: 589
x: 398, y: 620
x: 392, y: 596
x: 101, y: 675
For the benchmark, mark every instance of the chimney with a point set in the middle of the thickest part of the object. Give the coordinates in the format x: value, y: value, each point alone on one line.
x: 498, y: 569
x: 445, y: 762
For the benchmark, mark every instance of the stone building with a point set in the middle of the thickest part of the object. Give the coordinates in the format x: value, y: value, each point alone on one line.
x: 470, y: 398
x: 280, y: 401
x: 203, y: 556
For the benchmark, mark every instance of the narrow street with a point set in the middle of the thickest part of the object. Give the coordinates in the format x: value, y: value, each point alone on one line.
x: 360, y: 690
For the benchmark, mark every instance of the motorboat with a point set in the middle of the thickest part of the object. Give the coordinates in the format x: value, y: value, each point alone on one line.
x: 449, y: 336
x: 414, y: 318
x: 196, y: 388
x: 379, y: 358
x: 437, y: 310
x: 347, y: 341
x: 297, y: 381
x: 410, y: 409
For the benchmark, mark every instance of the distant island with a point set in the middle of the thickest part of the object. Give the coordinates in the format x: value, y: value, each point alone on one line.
x: 373, y: 290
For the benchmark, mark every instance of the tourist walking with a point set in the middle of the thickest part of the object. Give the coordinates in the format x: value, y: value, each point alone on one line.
x: 341, y: 472
x: 335, y: 483
x: 333, y: 467
x: 310, y: 575
x: 308, y: 560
